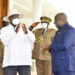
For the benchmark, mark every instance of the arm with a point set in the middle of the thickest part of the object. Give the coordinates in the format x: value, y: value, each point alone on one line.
x: 33, y: 25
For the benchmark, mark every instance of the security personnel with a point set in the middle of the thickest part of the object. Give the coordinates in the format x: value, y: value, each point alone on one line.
x: 1, y: 57
x: 43, y: 35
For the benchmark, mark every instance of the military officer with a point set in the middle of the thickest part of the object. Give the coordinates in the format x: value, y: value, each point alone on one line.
x: 43, y: 35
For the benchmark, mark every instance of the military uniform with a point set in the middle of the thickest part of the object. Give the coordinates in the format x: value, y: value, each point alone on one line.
x: 43, y: 58
x: 63, y: 51
x: 1, y: 57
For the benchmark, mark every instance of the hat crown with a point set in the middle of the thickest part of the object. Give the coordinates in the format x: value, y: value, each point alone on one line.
x: 45, y: 19
x: 12, y: 12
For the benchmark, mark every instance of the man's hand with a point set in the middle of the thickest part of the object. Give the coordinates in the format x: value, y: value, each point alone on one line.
x: 24, y: 28
x: 46, y: 47
x: 17, y: 29
x: 35, y: 24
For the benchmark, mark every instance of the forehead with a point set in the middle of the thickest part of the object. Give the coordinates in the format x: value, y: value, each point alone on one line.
x: 58, y: 17
x: 14, y: 16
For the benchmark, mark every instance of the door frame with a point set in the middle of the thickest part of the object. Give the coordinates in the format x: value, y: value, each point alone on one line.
x: 4, y: 7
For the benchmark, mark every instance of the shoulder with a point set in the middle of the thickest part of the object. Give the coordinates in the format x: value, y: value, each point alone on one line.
x: 4, y: 29
x: 52, y: 30
x: 37, y: 30
x: 70, y: 31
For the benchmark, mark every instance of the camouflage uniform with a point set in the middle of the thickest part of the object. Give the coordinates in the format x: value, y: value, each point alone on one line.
x: 1, y: 57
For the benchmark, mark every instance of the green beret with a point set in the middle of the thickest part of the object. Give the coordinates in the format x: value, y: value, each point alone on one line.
x: 45, y: 19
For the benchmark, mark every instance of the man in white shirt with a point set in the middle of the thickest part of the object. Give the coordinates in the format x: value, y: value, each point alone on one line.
x: 17, y: 40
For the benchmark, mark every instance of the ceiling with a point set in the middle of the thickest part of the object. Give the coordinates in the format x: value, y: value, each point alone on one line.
x: 26, y: 7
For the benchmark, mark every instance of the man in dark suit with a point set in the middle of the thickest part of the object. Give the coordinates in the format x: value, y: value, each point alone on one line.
x: 62, y: 48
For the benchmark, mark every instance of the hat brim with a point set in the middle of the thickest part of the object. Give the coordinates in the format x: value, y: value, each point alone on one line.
x: 6, y: 19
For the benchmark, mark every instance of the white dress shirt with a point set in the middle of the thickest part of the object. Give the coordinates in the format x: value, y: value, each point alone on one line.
x: 17, y: 46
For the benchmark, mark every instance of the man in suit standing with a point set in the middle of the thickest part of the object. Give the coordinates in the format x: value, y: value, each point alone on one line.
x: 62, y: 48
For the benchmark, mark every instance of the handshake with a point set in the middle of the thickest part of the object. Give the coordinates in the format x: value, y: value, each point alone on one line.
x: 46, y: 47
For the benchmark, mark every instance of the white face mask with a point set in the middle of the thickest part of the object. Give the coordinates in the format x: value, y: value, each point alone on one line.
x: 44, y: 25
x: 15, y: 21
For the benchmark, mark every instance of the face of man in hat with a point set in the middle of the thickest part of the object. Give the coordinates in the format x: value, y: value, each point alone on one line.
x: 14, y: 19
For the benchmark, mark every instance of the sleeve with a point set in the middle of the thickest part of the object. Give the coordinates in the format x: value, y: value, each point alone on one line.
x: 30, y: 36
x: 31, y: 28
x: 6, y: 37
x: 68, y: 40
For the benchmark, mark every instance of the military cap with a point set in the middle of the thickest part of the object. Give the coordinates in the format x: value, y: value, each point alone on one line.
x: 45, y: 19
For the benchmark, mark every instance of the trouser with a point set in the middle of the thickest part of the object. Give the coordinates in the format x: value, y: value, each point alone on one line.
x: 64, y: 73
x: 43, y: 67
x: 12, y: 70
x: 1, y: 70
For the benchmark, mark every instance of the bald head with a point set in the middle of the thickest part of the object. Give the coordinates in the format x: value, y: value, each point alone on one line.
x: 60, y: 19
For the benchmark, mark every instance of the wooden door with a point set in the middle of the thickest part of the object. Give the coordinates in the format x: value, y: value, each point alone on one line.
x: 4, y: 6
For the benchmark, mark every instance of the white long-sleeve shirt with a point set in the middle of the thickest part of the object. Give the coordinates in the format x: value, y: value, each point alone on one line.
x: 17, y: 46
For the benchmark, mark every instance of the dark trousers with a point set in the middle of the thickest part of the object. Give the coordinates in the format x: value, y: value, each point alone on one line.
x: 12, y: 70
x: 64, y: 73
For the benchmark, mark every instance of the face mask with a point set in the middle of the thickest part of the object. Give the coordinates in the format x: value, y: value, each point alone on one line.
x: 15, y: 21
x: 44, y: 25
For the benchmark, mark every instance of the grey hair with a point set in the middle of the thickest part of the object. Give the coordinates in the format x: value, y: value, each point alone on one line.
x: 62, y: 16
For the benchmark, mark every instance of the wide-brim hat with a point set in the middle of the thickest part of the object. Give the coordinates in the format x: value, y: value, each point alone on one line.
x: 12, y: 12
x: 45, y: 19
